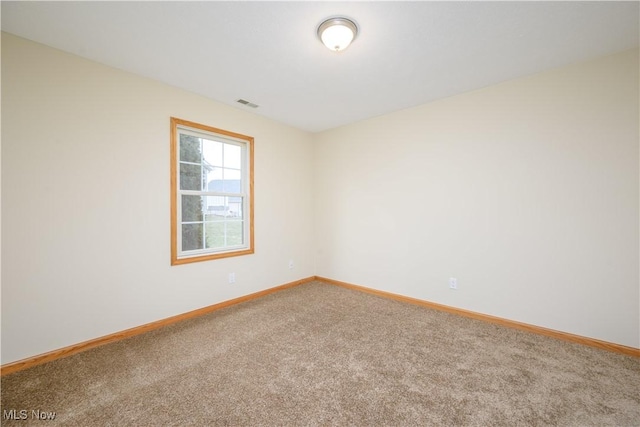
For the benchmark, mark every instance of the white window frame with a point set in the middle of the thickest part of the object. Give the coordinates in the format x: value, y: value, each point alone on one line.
x: 179, y: 256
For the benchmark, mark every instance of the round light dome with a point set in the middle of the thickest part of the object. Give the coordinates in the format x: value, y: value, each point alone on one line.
x: 337, y: 33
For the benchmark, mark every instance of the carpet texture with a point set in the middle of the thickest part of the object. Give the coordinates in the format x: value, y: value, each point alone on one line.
x: 318, y: 354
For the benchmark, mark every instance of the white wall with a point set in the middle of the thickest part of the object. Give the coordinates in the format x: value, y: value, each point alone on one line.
x: 526, y: 191
x: 85, y: 209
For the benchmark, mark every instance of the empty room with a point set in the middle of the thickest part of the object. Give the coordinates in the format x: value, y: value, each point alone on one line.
x: 320, y: 213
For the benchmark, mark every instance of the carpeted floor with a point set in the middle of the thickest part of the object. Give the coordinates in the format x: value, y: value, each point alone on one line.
x: 318, y: 354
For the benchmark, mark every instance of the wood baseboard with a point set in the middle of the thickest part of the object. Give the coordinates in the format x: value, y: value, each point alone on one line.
x: 86, y: 345
x: 618, y: 348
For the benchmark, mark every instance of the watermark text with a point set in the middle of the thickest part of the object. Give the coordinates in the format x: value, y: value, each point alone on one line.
x: 26, y: 414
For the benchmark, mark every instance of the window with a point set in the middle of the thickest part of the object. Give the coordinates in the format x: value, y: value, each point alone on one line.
x: 211, y: 193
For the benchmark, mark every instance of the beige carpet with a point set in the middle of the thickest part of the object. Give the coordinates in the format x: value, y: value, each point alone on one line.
x: 318, y: 354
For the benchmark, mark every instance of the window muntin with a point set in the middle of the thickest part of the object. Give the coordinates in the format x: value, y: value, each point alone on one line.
x: 211, y: 193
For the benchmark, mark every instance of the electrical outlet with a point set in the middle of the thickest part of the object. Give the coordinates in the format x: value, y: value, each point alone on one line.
x: 453, y: 283
x: 232, y: 278
x: 290, y: 264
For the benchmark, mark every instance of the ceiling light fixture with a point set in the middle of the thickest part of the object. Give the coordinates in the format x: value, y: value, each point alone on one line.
x: 337, y: 33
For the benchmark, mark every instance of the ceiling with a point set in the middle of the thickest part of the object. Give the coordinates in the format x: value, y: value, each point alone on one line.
x: 406, y: 54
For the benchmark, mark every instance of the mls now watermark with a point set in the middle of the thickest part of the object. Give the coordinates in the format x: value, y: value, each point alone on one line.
x: 24, y: 414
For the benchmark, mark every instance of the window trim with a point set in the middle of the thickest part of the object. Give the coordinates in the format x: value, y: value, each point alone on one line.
x: 248, y: 140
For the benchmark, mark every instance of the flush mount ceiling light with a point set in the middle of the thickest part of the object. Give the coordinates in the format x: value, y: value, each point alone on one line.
x: 337, y: 33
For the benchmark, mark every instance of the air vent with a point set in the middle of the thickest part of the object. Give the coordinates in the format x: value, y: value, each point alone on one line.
x: 247, y: 103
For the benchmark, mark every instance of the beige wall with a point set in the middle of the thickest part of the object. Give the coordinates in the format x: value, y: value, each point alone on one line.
x: 526, y: 192
x: 85, y: 209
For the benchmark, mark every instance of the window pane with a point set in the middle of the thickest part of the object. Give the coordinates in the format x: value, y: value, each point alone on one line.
x: 235, y: 233
x: 234, y: 207
x: 212, y: 152
x: 220, y: 207
x: 192, y: 208
x: 189, y: 148
x: 215, y: 234
x: 232, y: 156
x: 215, y: 207
x: 213, y: 179
x: 191, y: 237
x: 190, y: 177
x: 232, y: 182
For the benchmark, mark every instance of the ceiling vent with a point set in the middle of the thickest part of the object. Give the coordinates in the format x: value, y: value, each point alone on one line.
x: 247, y: 103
